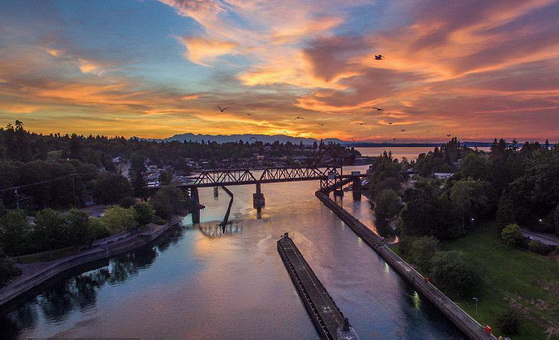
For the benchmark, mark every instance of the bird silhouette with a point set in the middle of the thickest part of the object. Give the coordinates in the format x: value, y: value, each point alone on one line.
x: 379, y: 57
x: 252, y: 137
x: 393, y: 138
x: 390, y: 123
x: 321, y: 124
x: 220, y: 109
x: 298, y: 117
x: 361, y: 123
x: 403, y: 130
x: 248, y: 114
x: 377, y: 108
x: 353, y: 140
x: 448, y: 135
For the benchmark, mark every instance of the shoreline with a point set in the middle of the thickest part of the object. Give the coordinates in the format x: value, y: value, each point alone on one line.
x: 34, y: 278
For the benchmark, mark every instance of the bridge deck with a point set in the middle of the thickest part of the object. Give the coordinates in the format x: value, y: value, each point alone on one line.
x: 322, y: 309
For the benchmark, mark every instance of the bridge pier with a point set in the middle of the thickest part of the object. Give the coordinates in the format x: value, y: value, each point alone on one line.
x: 258, y: 200
x: 196, y: 199
x: 356, y: 189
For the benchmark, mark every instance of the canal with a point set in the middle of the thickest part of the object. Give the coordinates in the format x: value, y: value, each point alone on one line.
x: 202, y: 283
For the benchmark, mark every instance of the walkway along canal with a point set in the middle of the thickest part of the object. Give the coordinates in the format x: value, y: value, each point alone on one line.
x: 34, y: 278
x: 457, y: 315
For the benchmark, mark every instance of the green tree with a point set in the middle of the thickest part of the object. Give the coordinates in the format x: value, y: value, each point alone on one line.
x: 49, y: 232
x: 76, y: 227
x: 165, y: 178
x: 454, y: 275
x: 112, y: 188
x: 469, y: 198
x: 139, y: 184
x: 474, y: 165
x: 512, y: 235
x: 14, y: 232
x: 505, y: 210
x: 117, y: 219
x: 388, y: 203
x: 167, y: 201
x: 143, y: 212
x: 422, y: 250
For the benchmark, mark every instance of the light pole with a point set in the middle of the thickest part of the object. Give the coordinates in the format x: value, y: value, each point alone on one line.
x: 476, y: 303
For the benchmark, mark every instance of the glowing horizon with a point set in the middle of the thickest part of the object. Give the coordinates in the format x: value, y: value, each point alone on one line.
x: 477, y: 70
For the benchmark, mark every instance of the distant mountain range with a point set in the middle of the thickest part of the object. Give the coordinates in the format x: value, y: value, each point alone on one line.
x: 246, y: 138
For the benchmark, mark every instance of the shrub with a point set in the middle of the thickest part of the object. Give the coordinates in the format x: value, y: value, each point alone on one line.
x: 509, y: 322
x: 126, y: 202
x: 540, y: 248
x: 143, y: 212
x: 453, y: 274
x: 422, y: 250
x: 118, y: 219
x: 512, y: 235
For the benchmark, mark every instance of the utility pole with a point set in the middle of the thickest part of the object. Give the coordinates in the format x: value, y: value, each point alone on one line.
x: 17, y: 198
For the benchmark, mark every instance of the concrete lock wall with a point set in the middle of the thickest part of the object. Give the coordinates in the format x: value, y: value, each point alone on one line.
x: 451, y: 310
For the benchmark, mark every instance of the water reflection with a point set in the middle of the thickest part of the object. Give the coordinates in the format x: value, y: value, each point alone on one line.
x: 206, y: 283
x: 79, y: 293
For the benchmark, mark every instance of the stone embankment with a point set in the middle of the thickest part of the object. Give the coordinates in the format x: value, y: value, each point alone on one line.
x: 39, y: 274
x: 451, y: 310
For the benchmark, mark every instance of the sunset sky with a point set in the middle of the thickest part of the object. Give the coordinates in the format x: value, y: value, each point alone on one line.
x: 476, y: 69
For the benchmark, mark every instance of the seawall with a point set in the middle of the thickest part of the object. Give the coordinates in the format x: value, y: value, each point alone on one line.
x: 27, y: 282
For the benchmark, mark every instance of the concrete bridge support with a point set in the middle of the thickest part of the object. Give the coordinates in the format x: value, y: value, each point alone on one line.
x: 356, y: 189
x: 258, y: 200
x: 196, y: 199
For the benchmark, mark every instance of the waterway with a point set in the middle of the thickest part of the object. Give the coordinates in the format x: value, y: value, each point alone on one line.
x: 203, y: 283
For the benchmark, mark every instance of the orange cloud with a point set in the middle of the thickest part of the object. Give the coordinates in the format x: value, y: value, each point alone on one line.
x: 204, y: 51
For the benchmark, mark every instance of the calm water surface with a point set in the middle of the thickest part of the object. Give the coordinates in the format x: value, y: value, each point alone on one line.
x: 201, y: 283
x: 410, y: 153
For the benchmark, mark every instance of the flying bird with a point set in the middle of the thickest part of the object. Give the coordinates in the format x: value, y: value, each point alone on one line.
x: 321, y: 124
x: 403, y: 130
x: 248, y: 114
x: 298, y: 117
x: 360, y: 123
x: 353, y: 139
x: 393, y: 138
x: 390, y: 123
x: 220, y: 109
x: 377, y: 108
x: 252, y: 137
x: 448, y: 135
x: 379, y: 57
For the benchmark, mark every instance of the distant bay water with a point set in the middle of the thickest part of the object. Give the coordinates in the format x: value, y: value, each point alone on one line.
x: 399, y: 152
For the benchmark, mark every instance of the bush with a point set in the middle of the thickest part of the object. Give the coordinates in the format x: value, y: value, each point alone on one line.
x: 512, y: 235
x: 158, y: 220
x: 453, y: 274
x: 143, y: 212
x: 509, y: 322
x: 422, y: 250
x: 118, y: 219
x: 540, y: 248
x: 126, y: 202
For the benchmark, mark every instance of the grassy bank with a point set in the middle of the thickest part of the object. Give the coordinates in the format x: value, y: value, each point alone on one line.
x: 511, y: 277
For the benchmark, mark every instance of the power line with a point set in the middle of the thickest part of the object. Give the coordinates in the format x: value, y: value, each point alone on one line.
x: 44, y: 182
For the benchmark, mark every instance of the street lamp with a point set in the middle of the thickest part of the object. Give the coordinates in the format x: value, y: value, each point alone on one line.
x: 475, y: 298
